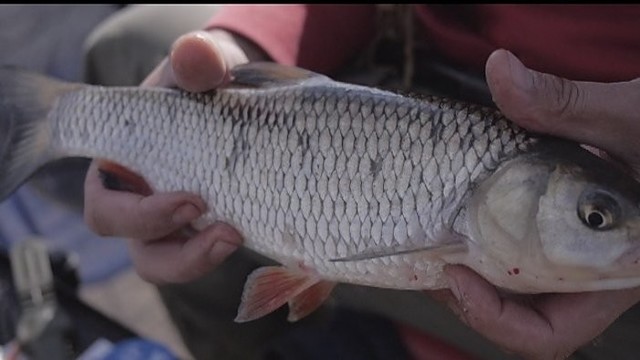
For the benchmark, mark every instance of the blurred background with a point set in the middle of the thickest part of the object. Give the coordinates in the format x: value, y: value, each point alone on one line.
x: 50, y: 39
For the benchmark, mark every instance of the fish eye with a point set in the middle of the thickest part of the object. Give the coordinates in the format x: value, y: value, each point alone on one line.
x: 598, y: 210
x: 597, y: 219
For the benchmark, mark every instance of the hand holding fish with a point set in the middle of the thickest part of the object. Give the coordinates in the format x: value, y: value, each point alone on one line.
x: 199, y: 61
x: 552, y: 326
x: 345, y: 183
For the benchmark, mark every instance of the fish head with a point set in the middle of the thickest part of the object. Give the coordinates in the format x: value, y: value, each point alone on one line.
x: 559, y: 219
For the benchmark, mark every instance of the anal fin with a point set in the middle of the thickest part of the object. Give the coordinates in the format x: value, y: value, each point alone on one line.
x: 268, y: 288
x: 309, y: 300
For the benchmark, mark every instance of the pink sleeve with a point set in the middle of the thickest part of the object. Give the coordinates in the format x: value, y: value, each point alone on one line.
x: 317, y: 37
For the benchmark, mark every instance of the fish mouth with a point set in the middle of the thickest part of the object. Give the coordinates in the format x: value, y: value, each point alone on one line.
x: 607, y: 284
x: 577, y: 283
x: 624, y: 273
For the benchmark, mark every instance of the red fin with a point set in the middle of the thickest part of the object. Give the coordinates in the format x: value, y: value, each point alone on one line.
x: 309, y: 300
x: 270, y: 287
x: 118, y: 177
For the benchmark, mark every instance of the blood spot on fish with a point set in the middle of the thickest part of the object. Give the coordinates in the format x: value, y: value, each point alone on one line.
x: 516, y: 271
x: 304, y: 267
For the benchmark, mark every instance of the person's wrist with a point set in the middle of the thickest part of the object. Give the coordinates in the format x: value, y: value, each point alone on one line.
x: 237, y: 49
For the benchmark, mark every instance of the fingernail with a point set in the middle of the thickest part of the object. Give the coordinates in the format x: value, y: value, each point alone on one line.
x: 109, y: 180
x: 197, y: 62
x: 453, y: 286
x: 185, y: 213
x: 521, y: 76
x: 460, y: 307
x: 222, y: 249
x: 455, y: 290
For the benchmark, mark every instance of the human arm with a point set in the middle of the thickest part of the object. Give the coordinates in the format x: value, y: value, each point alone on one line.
x: 320, y: 38
x: 603, y: 115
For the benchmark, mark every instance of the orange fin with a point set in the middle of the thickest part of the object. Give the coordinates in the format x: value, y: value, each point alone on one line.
x: 118, y: 177
x: 309, y: 300
x: 270, y: 287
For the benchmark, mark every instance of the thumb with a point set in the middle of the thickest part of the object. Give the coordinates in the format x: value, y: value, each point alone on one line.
x: 198, y: 61
x: 603, y: 115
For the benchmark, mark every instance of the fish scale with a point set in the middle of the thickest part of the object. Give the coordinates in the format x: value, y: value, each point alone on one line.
x: 413, y: 192
x: 344, y: 183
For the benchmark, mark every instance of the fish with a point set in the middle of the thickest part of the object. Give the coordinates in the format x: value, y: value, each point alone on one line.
x: 342, y: 183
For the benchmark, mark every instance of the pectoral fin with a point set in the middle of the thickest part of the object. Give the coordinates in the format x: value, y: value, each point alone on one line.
x: 373, y: 253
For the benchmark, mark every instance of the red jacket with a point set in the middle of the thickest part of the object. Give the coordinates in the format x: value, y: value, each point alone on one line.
x: 580, y: 42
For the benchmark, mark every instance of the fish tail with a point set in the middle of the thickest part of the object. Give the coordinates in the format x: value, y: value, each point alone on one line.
x: 26, y: 99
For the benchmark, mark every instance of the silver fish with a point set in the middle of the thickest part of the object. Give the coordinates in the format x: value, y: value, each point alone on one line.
x: 344, y: 183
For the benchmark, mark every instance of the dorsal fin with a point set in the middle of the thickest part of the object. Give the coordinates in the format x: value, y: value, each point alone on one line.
x: 268, y: 74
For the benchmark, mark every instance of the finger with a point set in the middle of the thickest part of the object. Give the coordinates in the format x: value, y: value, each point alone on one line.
x: 599, y: 114
x: 443, y: 296
x: 446, y: 297
x: 126, y: 214
x: 197, y: 62
x: 161, y: 76
x: 593, y: 311
x: 178, y: 260
x: 201, y: 60
x: 551, y: 321
x: 507, y: 323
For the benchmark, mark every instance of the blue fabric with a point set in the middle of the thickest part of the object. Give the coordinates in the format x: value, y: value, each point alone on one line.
x: 140, y: 349
x: 27, y: 214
